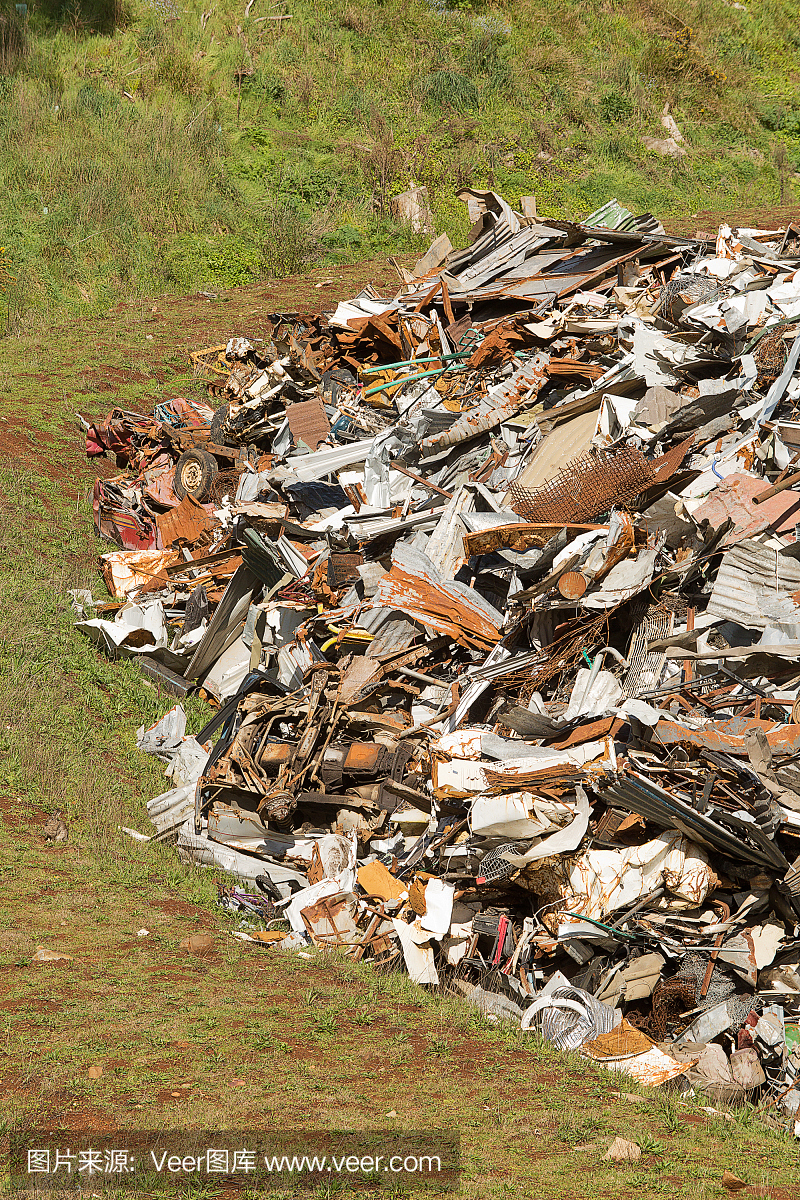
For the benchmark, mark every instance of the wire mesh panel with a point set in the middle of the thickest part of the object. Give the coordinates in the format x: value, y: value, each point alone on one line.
x: 589, y: 485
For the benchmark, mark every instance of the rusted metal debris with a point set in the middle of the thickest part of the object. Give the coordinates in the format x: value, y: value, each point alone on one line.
x: 502, y: 647
x: 587, y: 486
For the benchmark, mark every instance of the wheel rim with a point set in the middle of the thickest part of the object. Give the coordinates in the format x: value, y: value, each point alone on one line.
x: 192, y: 476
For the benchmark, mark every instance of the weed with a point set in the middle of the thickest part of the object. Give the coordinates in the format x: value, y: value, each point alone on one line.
x: 668, y: 1113
x: 363, y: 1018
x: 649, y: 1145
x: 326, y: 1023
x: 13, y: 38
x: 177, y: 71
x: 615, y: 106
x: 574, y: 1129
x: 449, y: 89
x: 438, y: 1046
x: 287, y: 243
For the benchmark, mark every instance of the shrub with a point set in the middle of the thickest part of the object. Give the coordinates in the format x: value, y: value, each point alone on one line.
x: 95, y: 16
x: 98, y: 102
x: 781, y: 119
x: 177, y: 72
x: 288, y: 242
x: 615, y: 106
x: 150, y: 34
x: 265, y: 84
x: 486, y: 51
x: 346, y: 237
x: 383, y: 163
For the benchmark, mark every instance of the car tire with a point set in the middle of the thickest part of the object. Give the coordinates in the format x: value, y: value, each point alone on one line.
x: 195, y: 471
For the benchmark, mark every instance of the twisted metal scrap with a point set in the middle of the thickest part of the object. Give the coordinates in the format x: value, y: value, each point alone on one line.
x: 686, y: 289
x: 559, y: 656
x: 671, y: 997
x: 589, y: 485
x: 770, y: 354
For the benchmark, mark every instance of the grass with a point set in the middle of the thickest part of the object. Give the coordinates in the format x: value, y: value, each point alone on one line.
x: 200, y: 147
x: 243, y: 1037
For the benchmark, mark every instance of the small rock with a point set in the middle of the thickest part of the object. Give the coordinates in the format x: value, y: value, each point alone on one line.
x: 197, y: 943
x: 631, y: 1097
x: 95, y: 1070
x: 732, y: 1182
x: 669, y: 124
x: 666, y: 147
x: 621, y: 1150
x: 43, y: 955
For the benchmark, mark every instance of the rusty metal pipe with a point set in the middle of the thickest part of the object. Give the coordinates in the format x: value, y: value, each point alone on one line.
x: 776, y: 489
x: 723, y: 911
x: 420, y: 677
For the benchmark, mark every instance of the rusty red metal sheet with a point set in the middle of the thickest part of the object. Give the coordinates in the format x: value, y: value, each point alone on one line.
x: 729, y: 735
x: 308, y: 422
x: 733, y: 498
x: 364, y: 756
x: 520, y: 536
x: 590, y: 732
x: 446, y: 607
x: 275, y: 753
x: 188, y: 522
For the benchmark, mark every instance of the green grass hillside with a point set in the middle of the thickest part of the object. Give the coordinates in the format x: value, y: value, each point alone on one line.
x: 148, y: 147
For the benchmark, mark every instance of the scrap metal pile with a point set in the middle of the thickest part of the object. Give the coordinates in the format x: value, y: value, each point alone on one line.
x: 496, y: 585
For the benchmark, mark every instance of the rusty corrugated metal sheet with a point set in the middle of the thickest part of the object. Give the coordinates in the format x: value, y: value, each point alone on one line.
x: 188, y: 522
x: 728, y: 736
x: 308, y: 422
x: 415, y: 588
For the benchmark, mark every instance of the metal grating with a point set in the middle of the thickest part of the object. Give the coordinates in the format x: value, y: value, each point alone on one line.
x: 589, y: 485
x: 646, y: 667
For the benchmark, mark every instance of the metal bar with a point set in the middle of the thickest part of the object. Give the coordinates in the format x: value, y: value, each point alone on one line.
x: 418, y: 479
